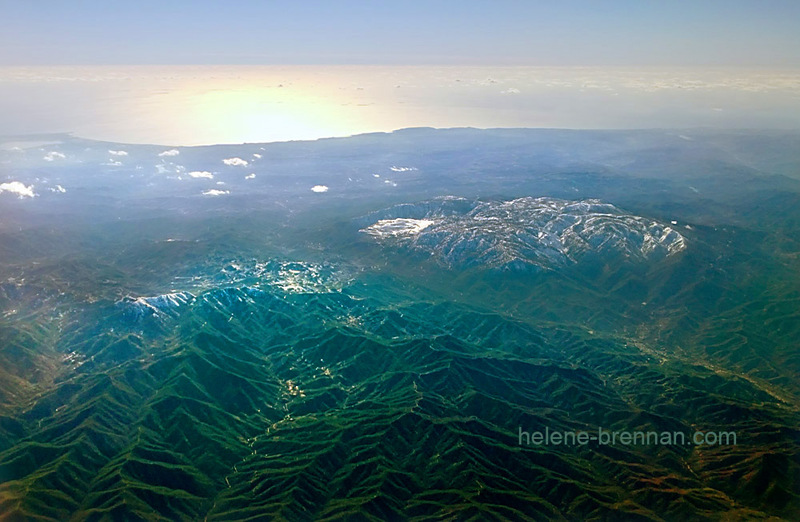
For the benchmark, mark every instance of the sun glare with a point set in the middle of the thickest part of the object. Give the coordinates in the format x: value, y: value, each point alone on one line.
x: 261, y: 114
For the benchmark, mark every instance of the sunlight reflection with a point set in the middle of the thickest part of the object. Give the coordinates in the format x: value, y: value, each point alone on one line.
x: 264, y: 114
x: 205, y: 105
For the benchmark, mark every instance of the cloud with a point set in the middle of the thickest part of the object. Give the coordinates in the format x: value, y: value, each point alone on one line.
x: 171, y: 152
x: 169, y: 168
x: 257, y: 156
x: 215, y: 192
x: 250, y: 176
x: 201, y: 174
x: 18, y: 188
x: 319, y: 188
x: 118, y: 152
x: 510, y: 90
x: 53, y: 155
x: 402, y: 169
x: 235, y: 162
x: 58, y: 188
x: 113, y: 163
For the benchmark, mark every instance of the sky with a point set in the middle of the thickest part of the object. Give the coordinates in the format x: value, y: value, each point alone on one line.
x: 753, y: 33
x: 207, y: 71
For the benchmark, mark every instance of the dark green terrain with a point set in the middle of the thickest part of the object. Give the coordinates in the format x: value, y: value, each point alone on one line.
x: 171, y: 353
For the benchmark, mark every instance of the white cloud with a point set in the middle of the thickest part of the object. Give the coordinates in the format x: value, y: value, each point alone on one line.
x: 58, y: 188
x: 319, y: 188
x: 215, y: 192
x: 201, y: 174
x: 235, y: 162
x: 118, y: 152
x: 250, y: 176
x: 18, y: 188
x: 402, y: 169
x: 510, y: 90
x: 170, y: 168
x: 257, y: 156
x: 171, y: 152
x: 113, y: 163
x: 52, y: 156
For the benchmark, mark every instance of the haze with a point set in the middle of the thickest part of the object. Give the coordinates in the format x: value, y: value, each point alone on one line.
x: 193, y: 105
x: 260, y: 71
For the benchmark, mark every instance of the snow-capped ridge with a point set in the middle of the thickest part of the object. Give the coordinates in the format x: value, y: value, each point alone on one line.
x: 539, y: 232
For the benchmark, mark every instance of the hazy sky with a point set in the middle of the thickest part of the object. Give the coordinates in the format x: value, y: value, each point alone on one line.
x: 499, y: 32
x: 192, y: 105
x: 207, y: 71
